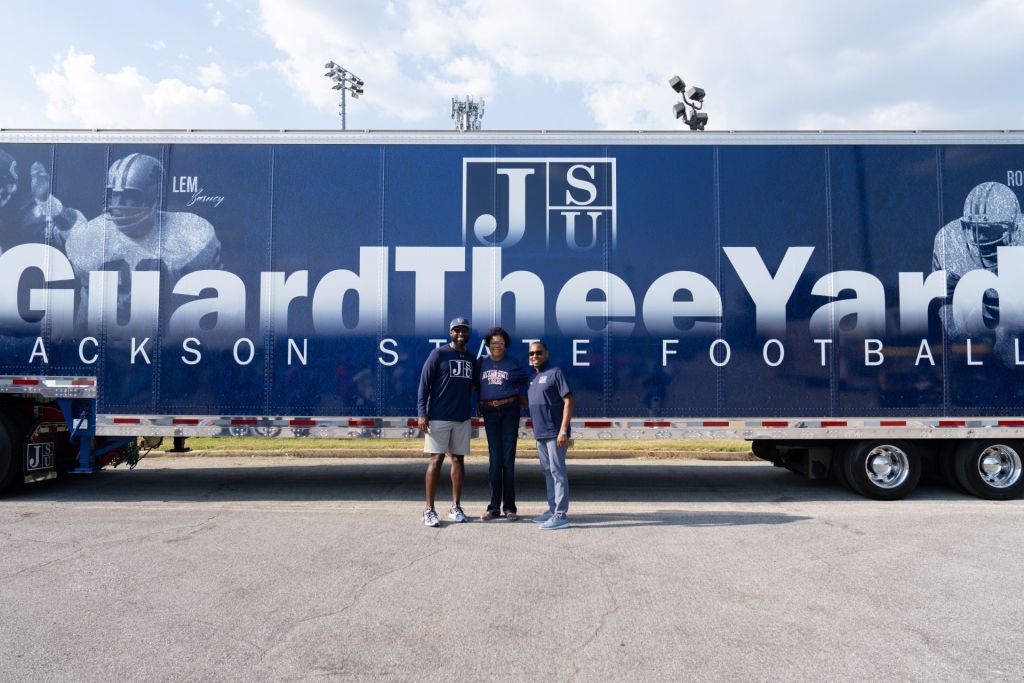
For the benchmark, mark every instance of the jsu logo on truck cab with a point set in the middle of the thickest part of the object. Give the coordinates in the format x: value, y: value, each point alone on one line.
x: 508, y: 199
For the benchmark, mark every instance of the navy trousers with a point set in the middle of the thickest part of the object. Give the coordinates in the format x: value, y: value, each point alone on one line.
x: 501, y: 424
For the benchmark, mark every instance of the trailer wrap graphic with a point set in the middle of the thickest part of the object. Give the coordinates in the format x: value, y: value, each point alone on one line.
x: 669, y: 281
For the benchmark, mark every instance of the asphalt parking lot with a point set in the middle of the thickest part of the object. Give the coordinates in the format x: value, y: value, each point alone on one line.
x: 271, y: 569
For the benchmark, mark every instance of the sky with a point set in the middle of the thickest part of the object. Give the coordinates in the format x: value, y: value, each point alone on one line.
x: 538, y: 64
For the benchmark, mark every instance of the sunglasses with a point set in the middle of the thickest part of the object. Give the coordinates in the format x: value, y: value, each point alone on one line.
x: 535, y: 353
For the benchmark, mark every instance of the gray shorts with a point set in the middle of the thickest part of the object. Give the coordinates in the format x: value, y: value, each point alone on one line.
x: 447, y: 436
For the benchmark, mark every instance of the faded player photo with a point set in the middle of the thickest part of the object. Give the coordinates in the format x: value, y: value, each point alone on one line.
x: 991, y: 219
x: 28, y: 211
x: 134, y: 234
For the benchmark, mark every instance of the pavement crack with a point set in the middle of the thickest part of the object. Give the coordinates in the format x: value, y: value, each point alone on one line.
x: 280, y: 637
x: 195, y: 529
x: 31, y: 569
x: 602, y: 620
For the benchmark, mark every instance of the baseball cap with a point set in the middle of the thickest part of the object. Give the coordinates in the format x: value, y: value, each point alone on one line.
x: 458, y: 322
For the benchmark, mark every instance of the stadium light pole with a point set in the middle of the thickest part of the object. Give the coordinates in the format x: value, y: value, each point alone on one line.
x: 344, y: 81
x: 689, y: 110
x: 468, y: 114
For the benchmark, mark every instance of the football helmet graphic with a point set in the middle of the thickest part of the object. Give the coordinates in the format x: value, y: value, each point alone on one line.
x: 8, y: 177
x: 991, y: 211
x: 134, y: 186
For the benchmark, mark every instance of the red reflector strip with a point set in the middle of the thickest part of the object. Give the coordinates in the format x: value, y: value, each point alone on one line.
x: 1011, y: 423
x: 184, y: 421
x: 302, y: 423
x: 243, y: 422
x: 650, y: 423
x: 768, y: 423
x: 82, y: 382
x: 412, y: 423
x: 715, y: 423
x: 837, y: 423
x: 892, y: 423
x: 362, y: 423
x: 529, y: 424
x: 25, y: 382
x: 126, y: 420
x: 952, y: 423
x: 596, y: 424
x: 478, y: 423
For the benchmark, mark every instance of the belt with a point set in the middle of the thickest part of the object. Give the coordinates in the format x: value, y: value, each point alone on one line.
x: 499, y: 402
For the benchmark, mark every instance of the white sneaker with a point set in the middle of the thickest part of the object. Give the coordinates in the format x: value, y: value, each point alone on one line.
x: 456, y: 514
x: 430, y: 518
x: 540, y: 519
x: 555, y: 523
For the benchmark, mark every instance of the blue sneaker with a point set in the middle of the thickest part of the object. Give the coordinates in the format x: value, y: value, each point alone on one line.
x: 540, y: 519
x: 555, y: 523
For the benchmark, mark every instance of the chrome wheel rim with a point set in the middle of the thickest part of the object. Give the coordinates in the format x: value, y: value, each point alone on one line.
x: 887, y: 466
x: 999, y: 466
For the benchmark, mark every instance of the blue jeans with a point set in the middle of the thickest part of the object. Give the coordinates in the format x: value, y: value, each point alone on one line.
x: 552, y: 464
x: 501, y: 423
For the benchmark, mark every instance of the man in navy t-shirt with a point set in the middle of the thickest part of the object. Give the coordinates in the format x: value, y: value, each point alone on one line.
x: 444, y: 409
x: 551, y: 406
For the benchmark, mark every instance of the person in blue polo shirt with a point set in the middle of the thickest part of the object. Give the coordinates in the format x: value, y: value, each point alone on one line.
x: 444, y: 410
x: 551, y: 406
x: 502, y: 383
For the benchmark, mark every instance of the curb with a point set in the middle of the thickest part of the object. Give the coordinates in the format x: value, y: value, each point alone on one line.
x: 350, y: 453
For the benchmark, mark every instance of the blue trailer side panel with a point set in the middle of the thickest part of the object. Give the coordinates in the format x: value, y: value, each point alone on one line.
x: 809, y: 280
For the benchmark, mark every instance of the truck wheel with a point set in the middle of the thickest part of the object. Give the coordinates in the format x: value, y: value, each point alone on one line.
x: 883, y: 470
x: 10, y: 460
x: 990, y: 469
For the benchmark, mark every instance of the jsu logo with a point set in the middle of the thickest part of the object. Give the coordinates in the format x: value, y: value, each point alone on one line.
x: 508, y: 199
x: 460, y: 368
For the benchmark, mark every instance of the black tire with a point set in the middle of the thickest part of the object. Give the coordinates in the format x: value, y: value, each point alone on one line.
x: 947, y: 466
x: 901, y: 458
x: 990, y: 469
x: 838, y: 472
x: 10, y: 454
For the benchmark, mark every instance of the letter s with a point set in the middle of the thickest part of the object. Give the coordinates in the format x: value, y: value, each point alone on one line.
x: 580, y: 184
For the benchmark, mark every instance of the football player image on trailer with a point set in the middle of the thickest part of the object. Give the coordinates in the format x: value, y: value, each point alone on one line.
x: 28, y: 211
x: 134, y: 234
x: 991, y: 219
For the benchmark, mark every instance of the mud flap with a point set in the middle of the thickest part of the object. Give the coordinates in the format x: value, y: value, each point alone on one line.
x: 40, y: 462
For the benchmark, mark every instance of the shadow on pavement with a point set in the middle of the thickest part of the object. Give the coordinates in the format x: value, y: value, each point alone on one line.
x: 677, y: 518
x: 401, y: 481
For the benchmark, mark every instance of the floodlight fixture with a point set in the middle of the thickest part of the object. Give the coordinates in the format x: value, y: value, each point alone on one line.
x: 344, y: 81
x: 692, y: 102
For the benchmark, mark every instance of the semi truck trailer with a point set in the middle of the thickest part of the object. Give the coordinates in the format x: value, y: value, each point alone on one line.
x: 852, y: 302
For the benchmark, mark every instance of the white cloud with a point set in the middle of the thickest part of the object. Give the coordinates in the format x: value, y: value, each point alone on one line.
x: 401, y: 51
x: 157, y: 45
x: 211, y: 75
x: 79, y: 95
x: 218, y: 17
x: 765, y: 65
